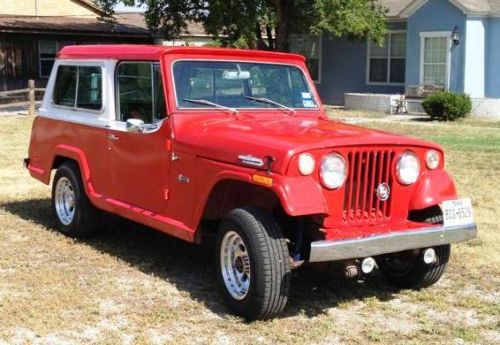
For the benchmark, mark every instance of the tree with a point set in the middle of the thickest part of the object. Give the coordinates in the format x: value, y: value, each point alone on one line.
x: 240, y: 22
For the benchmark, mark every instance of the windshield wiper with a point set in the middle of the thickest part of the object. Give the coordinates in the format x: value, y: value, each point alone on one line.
x: 270, y: 101
x: 212, y: 104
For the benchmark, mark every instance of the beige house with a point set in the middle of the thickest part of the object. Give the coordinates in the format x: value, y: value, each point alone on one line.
x: 33, y: 31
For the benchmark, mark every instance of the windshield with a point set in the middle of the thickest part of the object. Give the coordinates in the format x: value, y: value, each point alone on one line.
x: 241, y: 85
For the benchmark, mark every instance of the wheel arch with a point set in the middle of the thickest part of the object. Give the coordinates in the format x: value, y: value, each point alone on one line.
x: 65, y: 153
x: 281, y: 199
x: 230, y: 193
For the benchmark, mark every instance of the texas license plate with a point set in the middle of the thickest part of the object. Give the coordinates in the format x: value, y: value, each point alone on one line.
x: 457, y: 212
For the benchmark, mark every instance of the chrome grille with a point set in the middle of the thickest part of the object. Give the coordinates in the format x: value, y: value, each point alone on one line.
x: 367, y: 170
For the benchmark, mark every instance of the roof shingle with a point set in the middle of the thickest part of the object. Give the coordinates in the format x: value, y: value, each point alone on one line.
x: 485, y: 7
x: 125, y: 24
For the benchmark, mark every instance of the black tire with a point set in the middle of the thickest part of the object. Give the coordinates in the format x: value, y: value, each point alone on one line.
x: 270, y: 276
x: 85, y: 219
x: 408, y: 269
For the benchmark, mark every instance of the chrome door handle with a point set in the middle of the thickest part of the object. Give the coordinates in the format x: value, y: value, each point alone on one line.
x: 113, y: 137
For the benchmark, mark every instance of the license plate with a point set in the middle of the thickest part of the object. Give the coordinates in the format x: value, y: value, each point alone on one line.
x: 457, y: 212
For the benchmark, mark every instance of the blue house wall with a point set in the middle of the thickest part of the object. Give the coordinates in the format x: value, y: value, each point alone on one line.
x: 435, y: 15
x: 474, y: 62
x: 493, y: 58
x: 344, y: 69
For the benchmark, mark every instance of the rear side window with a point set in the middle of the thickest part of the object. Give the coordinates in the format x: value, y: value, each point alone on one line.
x: 65, y: 88
x: 79, y: 87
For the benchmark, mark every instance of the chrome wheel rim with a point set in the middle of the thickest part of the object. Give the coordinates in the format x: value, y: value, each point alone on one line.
x: 235, y: 265
x: 65, y: 201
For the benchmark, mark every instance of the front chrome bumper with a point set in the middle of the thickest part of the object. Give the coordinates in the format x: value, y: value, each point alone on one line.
x: 396, y: 241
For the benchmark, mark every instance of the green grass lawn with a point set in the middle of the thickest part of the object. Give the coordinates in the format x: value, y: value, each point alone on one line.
x: 135, y: 286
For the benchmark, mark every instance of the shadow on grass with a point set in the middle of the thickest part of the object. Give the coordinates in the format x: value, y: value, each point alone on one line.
x: 423, y: 119
x: 191, y: 268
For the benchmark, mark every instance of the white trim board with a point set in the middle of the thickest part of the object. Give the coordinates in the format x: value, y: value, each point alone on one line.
x: 474, y: 58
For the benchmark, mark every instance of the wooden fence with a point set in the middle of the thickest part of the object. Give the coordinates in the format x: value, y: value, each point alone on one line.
x: 22, y: 97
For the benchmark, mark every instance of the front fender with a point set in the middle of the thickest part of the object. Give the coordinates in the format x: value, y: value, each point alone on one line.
x: 434, y: 187
x: 298, y: 196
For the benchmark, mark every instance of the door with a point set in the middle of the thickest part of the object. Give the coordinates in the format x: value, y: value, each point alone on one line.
x: 435, y: 59
x: 140, y: 162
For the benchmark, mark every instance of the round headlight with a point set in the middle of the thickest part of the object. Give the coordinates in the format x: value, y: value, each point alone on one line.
x: 408, y: 168
x: 333, y: 171
x: 432, y: 159
x: 306, y: 164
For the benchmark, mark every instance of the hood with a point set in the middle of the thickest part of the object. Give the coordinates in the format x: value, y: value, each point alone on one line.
x: 281, y: 137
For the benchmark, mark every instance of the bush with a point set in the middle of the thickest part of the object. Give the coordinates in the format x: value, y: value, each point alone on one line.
x: 447, y: 106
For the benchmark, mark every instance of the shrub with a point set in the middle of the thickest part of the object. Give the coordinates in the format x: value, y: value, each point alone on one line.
x: 447, y: 106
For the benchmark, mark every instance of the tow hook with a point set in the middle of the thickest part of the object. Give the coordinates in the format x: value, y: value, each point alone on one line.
x: 354, y: 268
x: 351, y: 271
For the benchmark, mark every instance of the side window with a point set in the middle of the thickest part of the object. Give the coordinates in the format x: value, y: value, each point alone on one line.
x: 160, y: 109
x: 65, y: 86
x: 78, y: 87
x: 89, y: 88
x: 140, y: 92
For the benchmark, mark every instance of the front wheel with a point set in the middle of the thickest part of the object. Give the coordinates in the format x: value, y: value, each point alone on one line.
x: 253, y: 264
x: 408, y: 269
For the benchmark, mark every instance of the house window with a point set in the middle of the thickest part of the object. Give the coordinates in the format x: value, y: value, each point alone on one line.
x: 435, y: 58
x: 386, y: 64
x: 310, y: 47
x: 78, y: 87
x: 47, y: 55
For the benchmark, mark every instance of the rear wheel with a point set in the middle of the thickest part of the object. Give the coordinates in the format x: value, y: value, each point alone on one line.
x: 74, y: 212
x: 408, y: 269
x: 253, y: 264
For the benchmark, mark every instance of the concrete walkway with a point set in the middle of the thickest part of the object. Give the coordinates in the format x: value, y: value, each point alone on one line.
x: 413, y: 120
x: 388, y: 118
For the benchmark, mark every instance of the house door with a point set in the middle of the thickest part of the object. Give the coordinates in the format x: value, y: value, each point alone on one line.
x: 435, y: 58
x: 140, y: 162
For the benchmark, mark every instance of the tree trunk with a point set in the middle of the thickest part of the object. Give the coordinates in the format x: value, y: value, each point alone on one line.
x: 282, y: 7
x: 270, y: 38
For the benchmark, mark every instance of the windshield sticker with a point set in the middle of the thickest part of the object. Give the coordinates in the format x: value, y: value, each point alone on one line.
x: 306, y: 95
x: 308, y: 104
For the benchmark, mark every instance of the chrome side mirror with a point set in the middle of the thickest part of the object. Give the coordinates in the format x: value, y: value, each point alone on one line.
x: 135, y: 126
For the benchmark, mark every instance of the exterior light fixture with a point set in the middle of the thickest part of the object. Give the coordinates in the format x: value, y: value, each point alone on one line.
x: 455, y: 36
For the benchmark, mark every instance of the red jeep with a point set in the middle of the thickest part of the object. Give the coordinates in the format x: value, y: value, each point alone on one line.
x: 198, y: 141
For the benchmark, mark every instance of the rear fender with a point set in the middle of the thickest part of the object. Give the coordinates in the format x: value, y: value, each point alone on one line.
x: 433, y: 187
x: 70, y: 152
